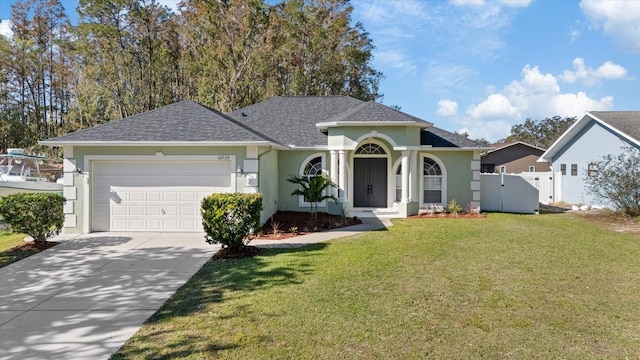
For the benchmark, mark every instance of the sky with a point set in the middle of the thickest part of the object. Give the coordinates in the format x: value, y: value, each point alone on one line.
x: 480, y: 67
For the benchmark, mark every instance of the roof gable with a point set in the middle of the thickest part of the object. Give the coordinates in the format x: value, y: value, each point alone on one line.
x: 184, y: 121
x: 499, y: 147
x: 373, y: 113
x: 624, y: 123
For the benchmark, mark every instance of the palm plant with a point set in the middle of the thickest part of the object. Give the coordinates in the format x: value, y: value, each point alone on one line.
x: 315, y: 189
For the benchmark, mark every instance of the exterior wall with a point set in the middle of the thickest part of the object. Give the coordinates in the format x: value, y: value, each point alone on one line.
x: 349, y: 137
x: 590, y: 145
x: 77, y: 185
x: 268, y: 182
x: 289, y: 163
x: 516, y: 158
x: 459, y: 176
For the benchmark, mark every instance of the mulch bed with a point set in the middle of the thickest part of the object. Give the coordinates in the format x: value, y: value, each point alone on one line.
x: 445, y: 215
x: 34, y: 247
x: 286, y: 224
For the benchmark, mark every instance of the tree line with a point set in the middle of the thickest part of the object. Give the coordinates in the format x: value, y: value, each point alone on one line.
x: 124, y: 57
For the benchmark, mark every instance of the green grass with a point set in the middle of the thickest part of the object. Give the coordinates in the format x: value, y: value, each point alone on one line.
x: 7, y: 242
x: 507, y: 286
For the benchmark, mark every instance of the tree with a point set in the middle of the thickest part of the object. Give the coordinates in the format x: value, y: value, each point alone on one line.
x: 541, y: 133
x: 315, y: 189
x: 616, y: 179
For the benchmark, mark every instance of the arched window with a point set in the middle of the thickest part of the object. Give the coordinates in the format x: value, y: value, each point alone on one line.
x: 432, y: 182
x: 370, y: 149
x: 313, y: 167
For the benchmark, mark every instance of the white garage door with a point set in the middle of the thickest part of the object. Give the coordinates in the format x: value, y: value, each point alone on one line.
x: 154, y: 195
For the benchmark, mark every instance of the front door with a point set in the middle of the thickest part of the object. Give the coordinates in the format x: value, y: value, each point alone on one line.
x: 370, y: 182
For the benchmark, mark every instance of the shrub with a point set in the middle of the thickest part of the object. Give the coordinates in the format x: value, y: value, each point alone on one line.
x: 39, y: 215
x: 454, y: 208
x: 229, y: 219
x: 617, y: 180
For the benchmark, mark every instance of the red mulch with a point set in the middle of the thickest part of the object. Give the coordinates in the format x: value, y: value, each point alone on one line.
x: 245, y: 252
x: 34, y: 247
x: 292, y: 223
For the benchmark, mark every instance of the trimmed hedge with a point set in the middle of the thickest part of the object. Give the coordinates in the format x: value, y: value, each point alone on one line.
x: 39, y: 215
x: 229, y: 219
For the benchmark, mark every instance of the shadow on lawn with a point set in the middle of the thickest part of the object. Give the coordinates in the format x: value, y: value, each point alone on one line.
x: 218, y: 281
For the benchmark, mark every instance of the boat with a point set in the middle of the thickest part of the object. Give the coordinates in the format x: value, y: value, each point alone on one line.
x: 20, y: 172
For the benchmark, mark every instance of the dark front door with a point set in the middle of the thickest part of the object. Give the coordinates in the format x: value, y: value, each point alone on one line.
x: 370, y: 182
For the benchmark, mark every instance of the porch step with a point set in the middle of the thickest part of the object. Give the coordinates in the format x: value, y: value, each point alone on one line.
x: 380, y: 214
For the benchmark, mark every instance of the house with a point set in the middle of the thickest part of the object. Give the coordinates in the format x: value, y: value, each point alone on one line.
x: 148, y: 172
x: 573, y: 155
x: 513, y: 158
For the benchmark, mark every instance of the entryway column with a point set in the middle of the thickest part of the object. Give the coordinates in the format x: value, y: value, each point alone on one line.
x: 405, y: 177
x: 342, y: 176
x: 334, y: 171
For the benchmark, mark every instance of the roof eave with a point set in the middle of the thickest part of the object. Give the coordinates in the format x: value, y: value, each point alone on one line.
x: 332, y: 124
x: 163, y: 143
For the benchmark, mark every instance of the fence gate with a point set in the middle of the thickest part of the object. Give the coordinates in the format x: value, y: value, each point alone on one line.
x: 508, y: 193
x: 543, y: 181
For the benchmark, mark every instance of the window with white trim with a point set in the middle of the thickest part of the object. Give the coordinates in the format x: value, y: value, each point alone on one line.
x: 532, y: 169
x: 503, y: 169
x: 370, y: 149
x: 432, y: 182
x: 312, y: 168
x: 593, y: 169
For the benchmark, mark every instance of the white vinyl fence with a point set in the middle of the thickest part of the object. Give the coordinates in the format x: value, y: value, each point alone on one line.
x: 508, y: 193
x: 543, y: 181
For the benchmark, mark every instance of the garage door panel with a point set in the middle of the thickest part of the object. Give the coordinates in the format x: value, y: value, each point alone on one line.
x: 142, y: 197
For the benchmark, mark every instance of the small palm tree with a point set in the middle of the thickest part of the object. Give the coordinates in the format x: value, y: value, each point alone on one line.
x: 315, y: 189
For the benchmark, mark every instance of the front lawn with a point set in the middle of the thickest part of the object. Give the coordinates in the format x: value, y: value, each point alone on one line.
x: 506, y: 286
x: 8, y: 252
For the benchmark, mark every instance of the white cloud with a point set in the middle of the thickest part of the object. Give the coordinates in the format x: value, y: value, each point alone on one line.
x: 447, y: 108
x: 590, y: 76
x: 536, y: 95
x: 395, y: 59
x: 619, y: 19
x: 5, y: 28
x: 445, y: 77
x: 495, y: 106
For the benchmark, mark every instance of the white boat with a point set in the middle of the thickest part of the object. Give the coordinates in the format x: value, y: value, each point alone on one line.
x: 20, y: 172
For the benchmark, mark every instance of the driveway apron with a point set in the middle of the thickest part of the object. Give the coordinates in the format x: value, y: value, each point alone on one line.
x: 83, y: 298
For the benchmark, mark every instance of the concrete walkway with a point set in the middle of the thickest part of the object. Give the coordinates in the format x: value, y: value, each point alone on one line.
x: 84, y: 298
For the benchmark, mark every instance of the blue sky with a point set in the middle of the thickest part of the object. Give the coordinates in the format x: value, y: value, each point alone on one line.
x: 482, y: 66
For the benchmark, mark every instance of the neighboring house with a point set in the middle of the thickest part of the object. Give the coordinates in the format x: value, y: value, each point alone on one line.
x: 573, y: 155
x: 513, y: 158
x: 148, y: 172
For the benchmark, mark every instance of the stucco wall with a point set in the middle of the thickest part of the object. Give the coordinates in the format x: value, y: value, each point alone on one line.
x: 459, y: 175
x: 289, y: 163
x: 268, y: 182
x: 590, y: 145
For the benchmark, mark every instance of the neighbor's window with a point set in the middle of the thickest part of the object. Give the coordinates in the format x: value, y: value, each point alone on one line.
x: 432, y: 182
x: 532, y: 169
x: 503, y: 169
x: 574, y: 169
x: 592, y: 169
x: 563, y: 169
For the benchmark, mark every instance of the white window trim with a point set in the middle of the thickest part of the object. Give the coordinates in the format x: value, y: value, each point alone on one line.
x: 444, y: 179
x: 323, y: 165
x: 503, y: 169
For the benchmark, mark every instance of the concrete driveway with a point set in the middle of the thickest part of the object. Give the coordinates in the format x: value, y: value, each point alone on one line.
x: 84, y: 298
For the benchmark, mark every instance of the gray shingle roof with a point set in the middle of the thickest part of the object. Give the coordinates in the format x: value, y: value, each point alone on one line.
x: 371, y: 111
x: 626, y: 121
x: 291, y: 120
x: 437, y: 137
x: 184, y: 121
